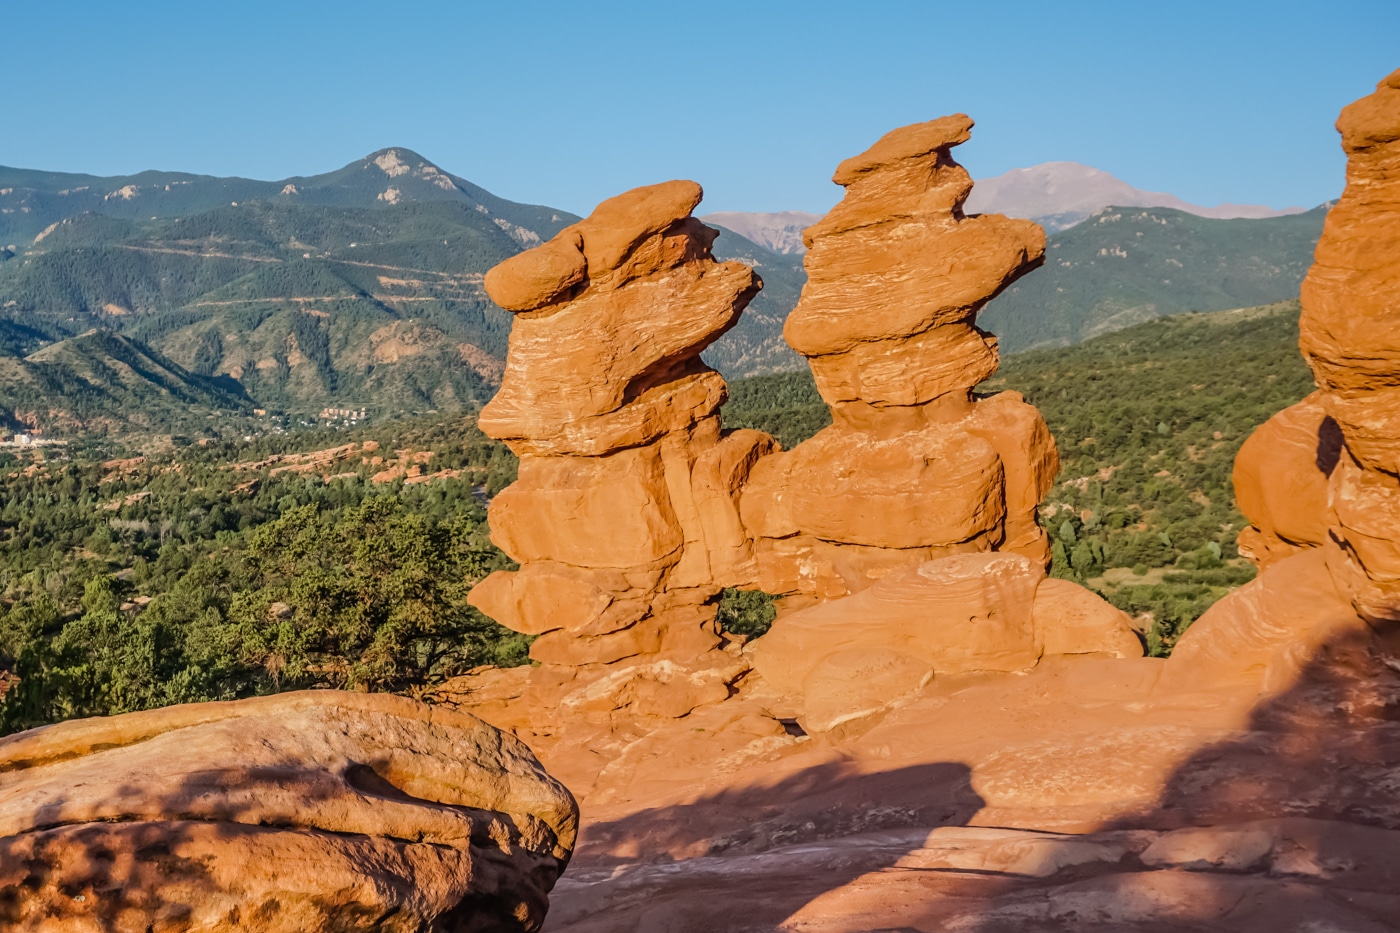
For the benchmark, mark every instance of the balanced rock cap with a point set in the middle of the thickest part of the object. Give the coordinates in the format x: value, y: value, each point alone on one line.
x: 593, y: 246
x: 908, y: 142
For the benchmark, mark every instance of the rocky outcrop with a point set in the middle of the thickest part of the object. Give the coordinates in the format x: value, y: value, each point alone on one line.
x: 633, y: 508
x: 1280, y: 479
x: 624, y: 517
x: 854, y: 657
x: 914, y: 467
x: 1351, y: 339
x: 316, y: 811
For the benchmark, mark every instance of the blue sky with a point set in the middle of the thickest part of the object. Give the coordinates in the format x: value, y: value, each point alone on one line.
x: 567, y: 103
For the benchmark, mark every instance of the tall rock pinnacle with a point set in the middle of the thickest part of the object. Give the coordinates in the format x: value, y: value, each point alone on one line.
x: 1350, y: 336
x: 625, y: 512
x: 913, y: 466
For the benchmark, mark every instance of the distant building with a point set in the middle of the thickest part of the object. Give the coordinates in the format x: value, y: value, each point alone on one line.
x: 348, y: 414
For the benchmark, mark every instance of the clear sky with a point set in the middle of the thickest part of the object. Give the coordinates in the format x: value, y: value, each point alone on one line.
x: 567, y: 103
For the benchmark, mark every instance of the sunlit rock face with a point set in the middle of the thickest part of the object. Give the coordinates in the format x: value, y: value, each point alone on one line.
x: 1351, y: 339
x: 914, y: 466
x: 315, y: 811
x: 625, y: 516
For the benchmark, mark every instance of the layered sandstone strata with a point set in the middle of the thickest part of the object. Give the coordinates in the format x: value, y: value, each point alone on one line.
x: 317, y: 811
x: 914, y: 467
x: 1351, y: 338
x: 624, y: 518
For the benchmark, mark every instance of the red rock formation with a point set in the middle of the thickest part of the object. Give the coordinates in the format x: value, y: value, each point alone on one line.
x: 624, y: 515
x: 316, y: 811
x: 1351, y: 339
x: 913, y: 466
x: 633, y: 509
x: 1280, y: 478
x: 1245, y: 784
x: 853, y: 657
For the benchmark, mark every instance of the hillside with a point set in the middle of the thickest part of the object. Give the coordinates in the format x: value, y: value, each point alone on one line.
x: 755, y: 345
x: 1130, y: 265
x: 102, y: 384
x: 1148, y: 421
x: 361, y: 287
x: 358, y: 288
x: 1124, y: 267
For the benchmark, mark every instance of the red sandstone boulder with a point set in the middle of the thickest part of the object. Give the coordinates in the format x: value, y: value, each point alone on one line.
x: 969, y: 612
x: 316, y: 811
x: 1280, y: 480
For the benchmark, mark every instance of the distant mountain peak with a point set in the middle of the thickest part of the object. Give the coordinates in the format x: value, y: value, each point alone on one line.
x: 780, y: 231
x: 400, y: 168
x: 1059, y: 195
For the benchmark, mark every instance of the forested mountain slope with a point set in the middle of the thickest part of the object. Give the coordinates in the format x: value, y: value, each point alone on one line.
x: 1119, y: 268
x: 361, y: 287
x: 102, y: 384
x: 1128, y: 265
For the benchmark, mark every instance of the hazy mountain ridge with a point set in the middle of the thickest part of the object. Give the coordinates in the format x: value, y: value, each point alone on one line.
x: 1056, y: 195
x: 1129, y: 265
x: 30, y: 201
x: 780, y: 232
x: 1059, y: 195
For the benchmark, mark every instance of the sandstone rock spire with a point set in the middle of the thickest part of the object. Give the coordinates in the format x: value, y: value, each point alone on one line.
x: 913, y: 467
x: 1350, y: 336
x: 624, y: 515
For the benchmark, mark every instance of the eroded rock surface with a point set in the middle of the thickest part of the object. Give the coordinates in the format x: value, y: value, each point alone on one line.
x: 1350, y: 336
x: 913, y: 467
x: 315, y: 811
x: 625, y: 515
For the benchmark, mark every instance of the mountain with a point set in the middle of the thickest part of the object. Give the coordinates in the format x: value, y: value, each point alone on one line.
x: 755, y: 346
x: 104, y: 383
x: 31, y: 201
x: 780, y: 232
x: 1058, y: 195
x: 360, y: 287
x: 1128, y: 265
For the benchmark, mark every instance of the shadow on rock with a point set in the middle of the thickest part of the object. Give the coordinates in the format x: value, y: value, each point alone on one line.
x: 1291, y: 824
x: 741, y: 860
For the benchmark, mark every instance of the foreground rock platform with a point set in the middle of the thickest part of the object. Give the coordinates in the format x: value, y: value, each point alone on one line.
x: 313, y: 811
x: 1089, y: 793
